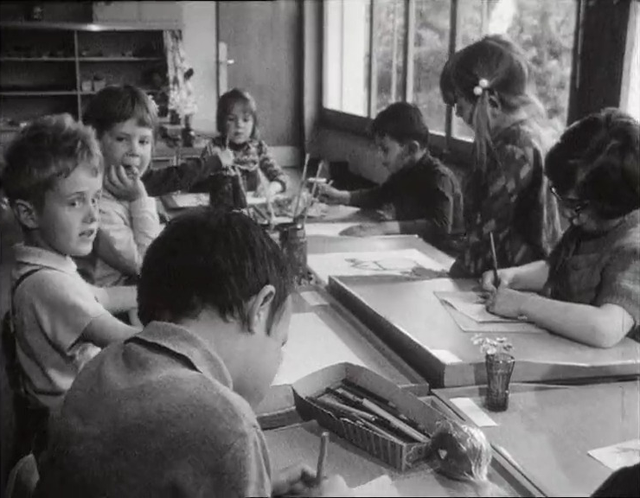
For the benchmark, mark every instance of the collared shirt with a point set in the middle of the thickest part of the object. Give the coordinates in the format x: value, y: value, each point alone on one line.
x: 599, y: 268
x: 156, y: 416
x: 425, y: 190
x: 52, y: 308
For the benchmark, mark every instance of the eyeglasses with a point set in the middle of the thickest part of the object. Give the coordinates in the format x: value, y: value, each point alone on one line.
x: 571, y: 203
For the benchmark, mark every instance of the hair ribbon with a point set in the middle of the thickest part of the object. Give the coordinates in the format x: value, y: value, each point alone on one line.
x: 482, y: 85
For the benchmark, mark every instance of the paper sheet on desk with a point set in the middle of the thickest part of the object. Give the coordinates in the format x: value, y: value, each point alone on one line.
x: 403, y: 263
x: 382, y: 486
x: 470, y: 318
x: 618, y: 455
x: 472, y: 305
x: 327, y: 229
x: 312, y: 345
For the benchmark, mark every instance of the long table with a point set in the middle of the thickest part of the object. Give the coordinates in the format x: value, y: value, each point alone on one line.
x: 548, y: 431
x: 409, y: 317
x: 318, y: 319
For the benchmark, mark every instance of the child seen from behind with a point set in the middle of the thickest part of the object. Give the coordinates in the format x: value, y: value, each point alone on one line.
x: 506, y: 192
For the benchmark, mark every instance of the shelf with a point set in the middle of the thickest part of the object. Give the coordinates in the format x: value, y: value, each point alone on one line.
x: 37, y: 59
x: 51, y: 93
x: 93, y: 92
x: 119, y: 59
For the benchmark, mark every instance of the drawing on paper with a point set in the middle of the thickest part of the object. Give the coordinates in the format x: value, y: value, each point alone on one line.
x: 399, y: 266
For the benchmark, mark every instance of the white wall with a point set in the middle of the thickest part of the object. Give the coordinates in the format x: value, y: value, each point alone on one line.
x: 200, y: 39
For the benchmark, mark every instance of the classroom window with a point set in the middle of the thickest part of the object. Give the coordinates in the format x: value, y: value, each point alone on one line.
x: 411, y: 39
x: 630, y: 95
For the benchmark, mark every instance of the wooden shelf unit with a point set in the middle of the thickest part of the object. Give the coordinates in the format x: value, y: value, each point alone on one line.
x: 61, y: 56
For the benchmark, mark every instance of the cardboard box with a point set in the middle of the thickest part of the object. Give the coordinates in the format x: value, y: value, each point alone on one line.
x: 399, y: 456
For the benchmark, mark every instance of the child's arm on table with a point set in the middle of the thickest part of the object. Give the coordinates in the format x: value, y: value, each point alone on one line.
x: 368, y: 198
x: 105, y: 329
x: 116, y: 299
x: 598, y: 326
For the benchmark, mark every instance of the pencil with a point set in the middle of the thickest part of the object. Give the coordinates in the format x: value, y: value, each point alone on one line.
x: 496, y: 279
x: 322, y: 457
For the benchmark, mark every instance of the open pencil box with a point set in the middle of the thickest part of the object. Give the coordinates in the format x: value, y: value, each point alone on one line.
x: 315, y: 398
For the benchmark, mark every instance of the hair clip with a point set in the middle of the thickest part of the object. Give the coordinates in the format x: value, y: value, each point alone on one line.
x: 480, y: 87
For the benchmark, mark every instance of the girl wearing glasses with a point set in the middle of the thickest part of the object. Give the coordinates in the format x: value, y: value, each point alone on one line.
x: 506, y: 193
x: 588, y: 290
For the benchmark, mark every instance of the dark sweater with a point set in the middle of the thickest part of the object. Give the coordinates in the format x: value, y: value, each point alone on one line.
x: 424, y: 190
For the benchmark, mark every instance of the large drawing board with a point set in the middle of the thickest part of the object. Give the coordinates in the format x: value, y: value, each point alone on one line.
x: 410, y: 318
x: 407, y: 263
x: 549, y: 432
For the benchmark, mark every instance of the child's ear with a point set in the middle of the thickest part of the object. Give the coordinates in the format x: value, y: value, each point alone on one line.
x: 259, y: 306
x: 26, y: 214
x: 494, y: 103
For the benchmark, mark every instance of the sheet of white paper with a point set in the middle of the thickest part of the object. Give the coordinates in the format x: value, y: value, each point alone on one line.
x: 326, y: 229
x: 179, y: 200
x: 618, y: 455
x: 405, y: 262
x: 474, y: 412
x: 468, y: 324
x: 313, y: 298
x: 382, y: 486
x: 472, y: 305
x: 312, y: 345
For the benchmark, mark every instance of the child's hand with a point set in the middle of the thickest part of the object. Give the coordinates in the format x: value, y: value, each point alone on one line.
x: 300, y: 480
x: 124, y: 183
x: 225, y: 155
x: 488, y: 283
x: 506, y: 302
x: 332, y: 195
x: 293, y: 480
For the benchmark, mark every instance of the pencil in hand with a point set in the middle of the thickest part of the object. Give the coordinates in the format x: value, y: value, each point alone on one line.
x: 496, y: 278
x: 322, y: 457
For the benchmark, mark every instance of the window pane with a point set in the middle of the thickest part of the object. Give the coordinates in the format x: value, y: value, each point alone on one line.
x: 389, y: 39
x: 545, y: 31
x: 346, y: 55
x: 431, y: 50
x: 630, y: 98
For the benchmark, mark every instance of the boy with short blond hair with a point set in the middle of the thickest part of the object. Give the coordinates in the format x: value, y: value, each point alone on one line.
x: 53, y: 181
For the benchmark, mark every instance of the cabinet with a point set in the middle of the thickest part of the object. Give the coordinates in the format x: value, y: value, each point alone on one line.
x: 50, y: 68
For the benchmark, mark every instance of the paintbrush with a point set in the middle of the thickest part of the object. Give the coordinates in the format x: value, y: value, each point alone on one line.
x: 302, y: 183
x: 313, y: 191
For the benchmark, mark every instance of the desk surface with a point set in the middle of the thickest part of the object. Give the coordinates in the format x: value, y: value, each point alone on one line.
x: 361, y: 342
x: 548, y: 432
x: 299, y: 443
x: 411, y: 319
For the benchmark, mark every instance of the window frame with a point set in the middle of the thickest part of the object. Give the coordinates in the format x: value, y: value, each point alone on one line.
x: 454, y: 148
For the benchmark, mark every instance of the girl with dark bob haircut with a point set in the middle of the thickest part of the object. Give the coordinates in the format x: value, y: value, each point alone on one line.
x: 588, y: 290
